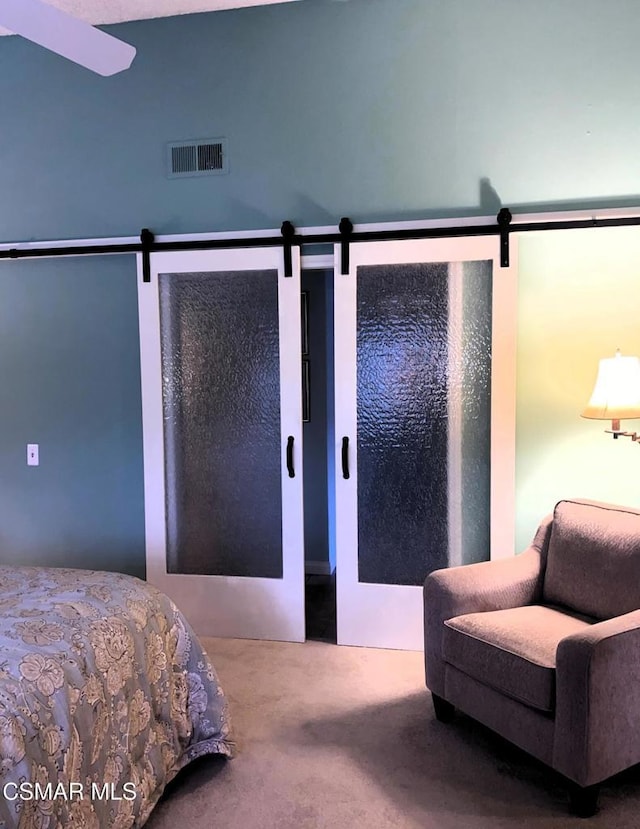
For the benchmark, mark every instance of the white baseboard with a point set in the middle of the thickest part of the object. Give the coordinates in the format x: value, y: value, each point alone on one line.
x: 317, y: 568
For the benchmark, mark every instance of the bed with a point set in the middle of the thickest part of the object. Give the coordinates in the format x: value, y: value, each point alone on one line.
x: 105, y: 694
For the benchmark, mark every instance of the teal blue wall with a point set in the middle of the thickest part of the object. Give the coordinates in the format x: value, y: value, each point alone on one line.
x: 70, y: 379
x: 375, y: 109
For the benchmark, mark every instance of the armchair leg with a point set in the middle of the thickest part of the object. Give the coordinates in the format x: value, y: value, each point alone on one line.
x: 444, y: 710
x: 583, y: 800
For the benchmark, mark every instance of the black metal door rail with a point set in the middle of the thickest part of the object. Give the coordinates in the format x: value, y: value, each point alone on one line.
x: 345, y: 235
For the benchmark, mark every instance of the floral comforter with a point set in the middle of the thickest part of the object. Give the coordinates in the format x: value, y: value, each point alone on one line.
x: 105, y: 694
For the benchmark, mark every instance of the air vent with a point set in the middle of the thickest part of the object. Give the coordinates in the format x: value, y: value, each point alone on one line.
x: 198, y: 157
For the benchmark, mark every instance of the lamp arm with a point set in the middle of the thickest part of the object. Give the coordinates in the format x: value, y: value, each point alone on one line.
x: 618, y: 434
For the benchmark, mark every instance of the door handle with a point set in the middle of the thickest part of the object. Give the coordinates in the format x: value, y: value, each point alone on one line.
x: 290, y: 469
x: 345, y: 457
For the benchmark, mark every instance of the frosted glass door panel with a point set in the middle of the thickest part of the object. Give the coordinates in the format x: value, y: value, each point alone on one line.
x: 402, y: 373
x: 222, y: 425
x: 424, y: 382
x: 470, y: 398
x: 221, y: 401
x: 419, y: 389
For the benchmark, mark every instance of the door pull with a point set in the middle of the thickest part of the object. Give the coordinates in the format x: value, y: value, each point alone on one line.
x: 345, y: 457
x: 290, y: 469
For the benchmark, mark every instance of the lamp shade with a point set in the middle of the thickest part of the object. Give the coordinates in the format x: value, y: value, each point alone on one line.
x: 616, y: 394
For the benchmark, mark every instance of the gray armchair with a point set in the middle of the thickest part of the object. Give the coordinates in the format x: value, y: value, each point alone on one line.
x: 544, y: 648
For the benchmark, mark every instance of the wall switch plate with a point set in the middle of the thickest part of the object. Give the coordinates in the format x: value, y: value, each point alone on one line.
x: 33, y: 454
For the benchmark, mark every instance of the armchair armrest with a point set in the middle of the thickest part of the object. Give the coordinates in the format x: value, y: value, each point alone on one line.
x: 597, y: 731
x: 472, y: 588
x: 489, y: 585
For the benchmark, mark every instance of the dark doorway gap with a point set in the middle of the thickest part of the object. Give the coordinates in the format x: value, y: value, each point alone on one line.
x: 320, y: 607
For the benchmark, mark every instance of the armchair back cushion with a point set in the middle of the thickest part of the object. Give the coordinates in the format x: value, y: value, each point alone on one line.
x: 593, y: 561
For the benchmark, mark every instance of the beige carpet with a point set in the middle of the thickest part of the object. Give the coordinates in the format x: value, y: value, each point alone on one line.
x: 332, y: 736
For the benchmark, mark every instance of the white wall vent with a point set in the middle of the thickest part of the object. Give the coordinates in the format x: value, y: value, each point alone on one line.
x: 198, y: 157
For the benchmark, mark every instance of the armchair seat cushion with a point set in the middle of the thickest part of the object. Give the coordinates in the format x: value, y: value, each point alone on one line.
x: 513, y: 651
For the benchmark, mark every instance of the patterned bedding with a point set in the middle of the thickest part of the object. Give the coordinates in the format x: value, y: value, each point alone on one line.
x: 105, y: 694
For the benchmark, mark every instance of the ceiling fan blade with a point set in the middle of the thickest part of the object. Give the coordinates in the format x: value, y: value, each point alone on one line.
x: 66, y: 35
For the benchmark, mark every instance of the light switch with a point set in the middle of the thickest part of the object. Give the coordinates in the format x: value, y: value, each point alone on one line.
x: 33, y: 454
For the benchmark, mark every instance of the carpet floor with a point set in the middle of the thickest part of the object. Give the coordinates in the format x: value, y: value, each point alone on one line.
x: 337, y: 737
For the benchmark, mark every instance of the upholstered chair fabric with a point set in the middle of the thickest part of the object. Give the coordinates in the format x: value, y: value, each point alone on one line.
x: 472, y: 588
x: 593, y: 564
x: 598, y: 700
x: 544, y: 647
x: 513, y: 651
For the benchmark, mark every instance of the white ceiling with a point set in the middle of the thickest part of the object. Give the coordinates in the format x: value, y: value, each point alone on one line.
x: 117, y: 11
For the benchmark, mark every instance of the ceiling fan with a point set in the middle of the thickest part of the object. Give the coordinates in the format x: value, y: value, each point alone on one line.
x: 64, y: 34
